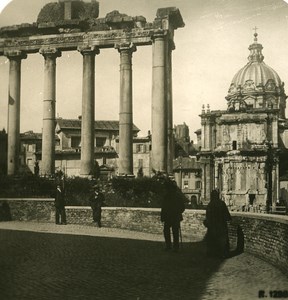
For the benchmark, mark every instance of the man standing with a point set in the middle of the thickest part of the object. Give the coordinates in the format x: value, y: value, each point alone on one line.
x: 171, y: 213
x: 96, y: 203
x: 60, y: 215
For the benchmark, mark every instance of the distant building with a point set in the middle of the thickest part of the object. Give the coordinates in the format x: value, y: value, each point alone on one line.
x: 68, y: 149
x: 30, y: 143
x: 186, y: 168
x: 141, y: 155
x: 183, y: 145
x: 187, y: 173
x: 244, y: 149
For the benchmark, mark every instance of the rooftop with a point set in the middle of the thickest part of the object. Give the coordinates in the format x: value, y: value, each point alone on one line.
x: 99, y: 124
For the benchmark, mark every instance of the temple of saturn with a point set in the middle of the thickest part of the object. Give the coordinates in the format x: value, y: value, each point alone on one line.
x: 73, y: 25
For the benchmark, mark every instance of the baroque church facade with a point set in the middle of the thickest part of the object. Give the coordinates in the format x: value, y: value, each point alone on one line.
x: 244, y: 148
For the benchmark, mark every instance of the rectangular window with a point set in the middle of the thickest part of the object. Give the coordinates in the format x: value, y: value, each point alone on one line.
x: 198, y: 184
x: 234, y: 145
x: 75, y: 141
x: 185, y: 175
x: 100, y: 142
x: 185, y: 184
x: 31, y: 148
x: 29, y: 162
x: 140, y: 163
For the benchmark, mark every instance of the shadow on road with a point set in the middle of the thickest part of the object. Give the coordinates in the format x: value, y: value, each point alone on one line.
x: 56, y: 266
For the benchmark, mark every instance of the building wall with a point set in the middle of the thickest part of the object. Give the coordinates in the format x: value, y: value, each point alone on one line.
x: 239, y: 142
x: 190, y: 184
x: 239, y: 178
x: 70, y: 167
x: 239, y: 127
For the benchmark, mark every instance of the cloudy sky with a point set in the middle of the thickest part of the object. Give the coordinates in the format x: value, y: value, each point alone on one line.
x: 210, y: 49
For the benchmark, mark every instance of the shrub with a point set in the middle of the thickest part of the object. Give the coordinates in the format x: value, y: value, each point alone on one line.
x: 121, y: 192
x: 26, y: 186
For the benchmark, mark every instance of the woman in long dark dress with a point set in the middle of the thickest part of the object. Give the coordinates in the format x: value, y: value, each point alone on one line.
x: 217, y: 216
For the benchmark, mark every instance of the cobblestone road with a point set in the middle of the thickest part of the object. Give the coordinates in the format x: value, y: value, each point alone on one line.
x: 84, y: 262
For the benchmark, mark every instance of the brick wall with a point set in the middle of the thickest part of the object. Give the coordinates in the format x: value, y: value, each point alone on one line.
x: 265, y: 236
x: 29, y: 209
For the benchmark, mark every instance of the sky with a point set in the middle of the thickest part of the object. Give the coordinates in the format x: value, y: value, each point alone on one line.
x: 210, y: 49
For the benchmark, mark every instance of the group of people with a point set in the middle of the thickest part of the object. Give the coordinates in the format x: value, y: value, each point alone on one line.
x: 172, y: 208
x: 96, y: 202
x: 217, y: 216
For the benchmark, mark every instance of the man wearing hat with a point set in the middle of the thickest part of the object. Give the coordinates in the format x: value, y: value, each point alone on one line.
x: 60, y: 206
x: 96, y: 203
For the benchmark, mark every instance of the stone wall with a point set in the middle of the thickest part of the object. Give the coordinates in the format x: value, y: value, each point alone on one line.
x: 27, y: 209
x: 139, y: 219
x: 265, y: 236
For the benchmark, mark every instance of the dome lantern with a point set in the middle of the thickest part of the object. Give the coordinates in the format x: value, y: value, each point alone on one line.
x: 255, y: 51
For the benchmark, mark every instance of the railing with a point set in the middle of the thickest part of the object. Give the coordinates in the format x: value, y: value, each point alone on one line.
x: 189, y: 191
x: 279, y: 210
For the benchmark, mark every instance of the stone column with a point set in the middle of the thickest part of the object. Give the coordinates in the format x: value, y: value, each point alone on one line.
x: 170, y: 141
x: 126, y: 109
x: 88, y: 111
x: 159, y: 104
x: 49, y: 101
x: 13, y: 158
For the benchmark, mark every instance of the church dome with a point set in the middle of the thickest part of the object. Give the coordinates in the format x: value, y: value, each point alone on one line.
x: 256, y: 85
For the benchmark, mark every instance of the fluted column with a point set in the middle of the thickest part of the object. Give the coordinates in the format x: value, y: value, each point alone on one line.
x: 15, y: 58
x: 170, y: 133
x: 49, y: 101
x: 126, y: 109
x: 88, y: 110
x: 159, y: 104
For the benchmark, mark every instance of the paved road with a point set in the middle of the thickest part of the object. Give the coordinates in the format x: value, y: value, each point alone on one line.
x: 45, y: 261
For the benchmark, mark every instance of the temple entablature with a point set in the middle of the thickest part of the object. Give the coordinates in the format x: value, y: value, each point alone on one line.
x: 68, y: 24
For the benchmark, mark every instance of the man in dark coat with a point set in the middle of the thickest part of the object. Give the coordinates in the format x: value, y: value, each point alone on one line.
x: 217, y: 215
x: 171, y: 214
x: 60, y: 215
x: 96, y: 203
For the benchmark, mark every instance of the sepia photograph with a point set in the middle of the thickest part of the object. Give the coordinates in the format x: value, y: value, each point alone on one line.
x: 143, y: 149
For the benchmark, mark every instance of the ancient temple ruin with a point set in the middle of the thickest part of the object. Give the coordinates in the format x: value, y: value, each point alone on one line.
x: 73, y: 25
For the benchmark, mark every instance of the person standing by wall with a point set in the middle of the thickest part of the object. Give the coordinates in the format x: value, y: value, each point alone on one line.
x: 217, y: 216
x: 36, y: 168
x: 171, y: 213
x: 96, y: 202
x: 60, y: 215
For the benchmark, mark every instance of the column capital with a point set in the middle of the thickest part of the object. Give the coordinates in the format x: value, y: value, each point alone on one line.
x: 86, y: 50
x: 15, y: 54
x: 159, y: 34
x: 50, y: 52
x: 125, y: 47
